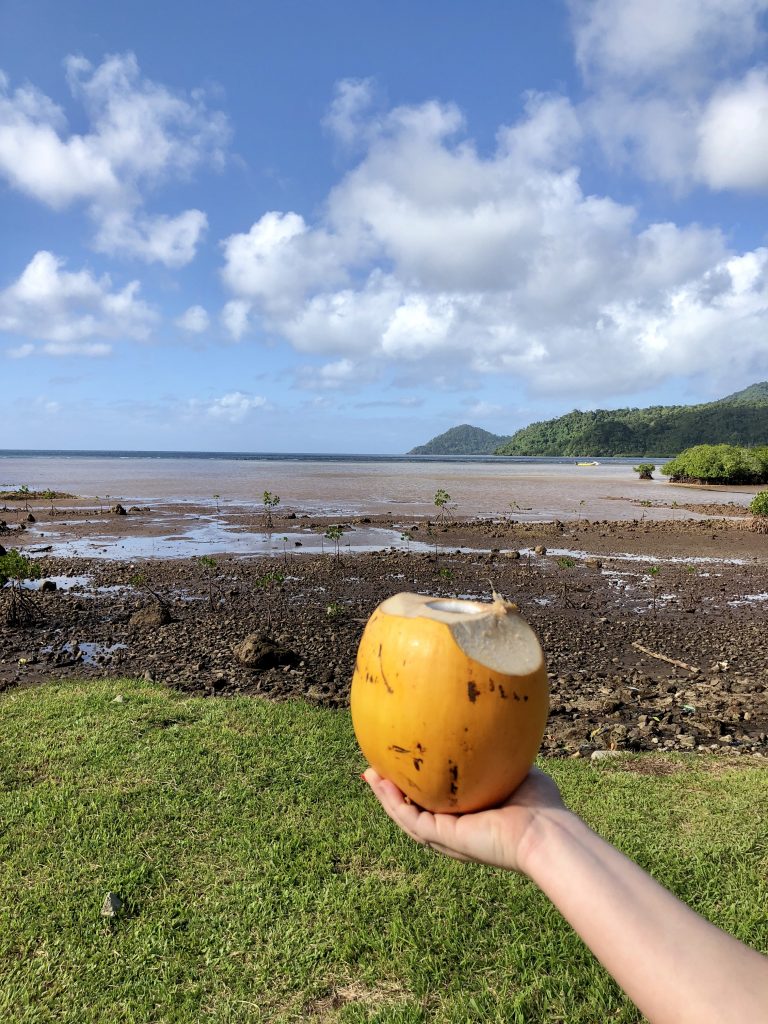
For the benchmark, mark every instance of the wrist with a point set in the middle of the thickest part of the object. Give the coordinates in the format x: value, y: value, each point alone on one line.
x: 547, y: 827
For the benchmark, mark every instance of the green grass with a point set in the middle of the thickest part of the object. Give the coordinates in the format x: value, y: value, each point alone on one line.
x: 263, y: 883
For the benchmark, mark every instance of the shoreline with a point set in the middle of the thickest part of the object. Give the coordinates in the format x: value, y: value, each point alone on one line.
x: 694, y: 591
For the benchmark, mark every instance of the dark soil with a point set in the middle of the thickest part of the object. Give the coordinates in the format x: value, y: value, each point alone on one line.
x: 305, y: 615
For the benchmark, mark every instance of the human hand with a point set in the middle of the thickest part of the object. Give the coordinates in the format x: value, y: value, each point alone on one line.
x: 502, y: 836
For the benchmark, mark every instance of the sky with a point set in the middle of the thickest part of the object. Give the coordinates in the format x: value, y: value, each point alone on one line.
x: 347, y: 226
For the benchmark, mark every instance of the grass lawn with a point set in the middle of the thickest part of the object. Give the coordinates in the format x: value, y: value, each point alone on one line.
x: 262, y: 882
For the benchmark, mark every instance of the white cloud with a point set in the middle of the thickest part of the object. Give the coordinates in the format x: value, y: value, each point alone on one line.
x: 644, y: 39
x: 733, y: 134
x: 140, y: 135
x: 234, y: 317
x: 341, y: 374
x: 346, y: 118
x: 195, y: 319
x: 77, y: 348
x: 234, y: 406
x: 279, y: 259
x: 658, y: 105
x: 471, y: 265
x: 70, y: 310
x: 171, y: 241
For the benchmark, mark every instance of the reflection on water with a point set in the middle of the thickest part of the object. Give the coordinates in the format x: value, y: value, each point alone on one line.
x: 215, y: 538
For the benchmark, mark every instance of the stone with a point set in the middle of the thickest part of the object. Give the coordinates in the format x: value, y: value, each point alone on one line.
x: 604, y: 755
x: 511, y: 554
x: 118, y: 510
x: 47, y: 586
x: 260, y: 651
x: 112, y: 905
x: 151, y: 616
x: 540, y: 549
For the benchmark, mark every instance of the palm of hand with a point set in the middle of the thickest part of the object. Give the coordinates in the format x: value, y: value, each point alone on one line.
x: 490, y: 837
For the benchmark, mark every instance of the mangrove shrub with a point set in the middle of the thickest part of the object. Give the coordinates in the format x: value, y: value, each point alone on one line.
x: 719, y: 464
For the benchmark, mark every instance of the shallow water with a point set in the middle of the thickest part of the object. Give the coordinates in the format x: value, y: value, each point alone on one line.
x: 213, y: 538
x: 526, y: 489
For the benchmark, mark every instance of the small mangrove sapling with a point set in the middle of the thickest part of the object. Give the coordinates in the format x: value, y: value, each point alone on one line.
x: 15, y: 568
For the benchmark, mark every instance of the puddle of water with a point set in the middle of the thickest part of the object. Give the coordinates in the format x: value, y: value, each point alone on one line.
x: 625, y: 556
x: 212, y: 538
x: 748, y: 599
x: 62, y: 582
x: 90, y: 653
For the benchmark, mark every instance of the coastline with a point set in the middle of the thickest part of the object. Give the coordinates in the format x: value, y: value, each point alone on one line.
x: 692, y: 590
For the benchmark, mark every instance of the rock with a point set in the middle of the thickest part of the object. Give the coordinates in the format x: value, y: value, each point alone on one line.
x: 48, y: 586
x: 540, y: 549
x: 594, y: 563
x: 151, y: 616
x: 119, y: 699
x: 112, y: 905
x: 511, y: 554
x: 604, y: 755
x: 260, y: 651
x: 2, y: 550
x: 118, y: 510
x: 31, y: 518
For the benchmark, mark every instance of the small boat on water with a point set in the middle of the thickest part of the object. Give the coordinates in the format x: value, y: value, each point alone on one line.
x: 587, y: 463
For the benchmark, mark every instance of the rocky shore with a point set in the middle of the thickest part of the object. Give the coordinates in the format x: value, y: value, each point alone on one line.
x: 655, y: 632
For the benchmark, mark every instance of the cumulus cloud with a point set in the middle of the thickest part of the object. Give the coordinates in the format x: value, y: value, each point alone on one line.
x: 195, y: 320
x: 139, y: 136
x: 470, y: 264
x: 671, y: 99
x: 733, y: 134
x: 73, y: 312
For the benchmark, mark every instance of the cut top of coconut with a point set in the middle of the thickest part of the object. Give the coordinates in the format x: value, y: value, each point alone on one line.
x: 491, y: 633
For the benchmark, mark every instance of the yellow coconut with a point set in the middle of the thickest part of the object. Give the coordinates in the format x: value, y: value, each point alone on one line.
x: 450, y: 699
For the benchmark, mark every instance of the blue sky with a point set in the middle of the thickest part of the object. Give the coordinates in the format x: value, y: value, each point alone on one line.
x: 348, y: 226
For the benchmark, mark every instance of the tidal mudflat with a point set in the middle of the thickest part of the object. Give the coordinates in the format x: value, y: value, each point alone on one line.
x: 654, y: 629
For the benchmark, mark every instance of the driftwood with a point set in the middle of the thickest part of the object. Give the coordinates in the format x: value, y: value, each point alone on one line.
x: 663, y: 657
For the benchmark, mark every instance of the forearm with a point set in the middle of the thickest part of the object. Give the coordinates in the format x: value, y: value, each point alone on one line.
x: 675, y: 966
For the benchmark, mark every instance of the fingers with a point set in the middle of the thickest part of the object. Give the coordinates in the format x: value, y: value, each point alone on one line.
x: 420, y: 825
x: 409, y: 817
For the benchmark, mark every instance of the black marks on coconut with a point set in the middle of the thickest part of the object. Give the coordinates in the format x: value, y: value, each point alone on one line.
x: 367, y: 675
x: 417, y: 762
x: 399, y: 750
x: 502, y: 692
x: 525, y: 696
x: 516, y: 695
x: 491, y: 685
x: 383, y: 674
x: 421, y: 749
x: 472, y: 691
x: 453, y: 771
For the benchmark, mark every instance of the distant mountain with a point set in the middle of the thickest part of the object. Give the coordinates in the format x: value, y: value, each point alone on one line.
x: 661, y: 430
x: 463, y: 440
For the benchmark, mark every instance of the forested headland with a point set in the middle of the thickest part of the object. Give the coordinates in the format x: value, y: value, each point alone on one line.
x: 659, y: 431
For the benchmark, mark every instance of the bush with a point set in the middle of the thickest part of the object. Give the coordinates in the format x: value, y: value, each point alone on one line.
x: 719, y: 464
x: 645, y: 469
x: 759, y: 504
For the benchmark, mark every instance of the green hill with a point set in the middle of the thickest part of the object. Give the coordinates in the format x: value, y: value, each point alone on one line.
x: 463, y: 440
x: 661, y: 430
